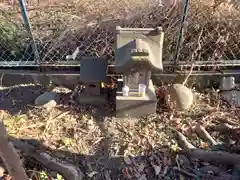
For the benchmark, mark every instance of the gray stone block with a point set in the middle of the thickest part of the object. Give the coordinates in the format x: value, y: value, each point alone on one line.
x: 134, y: 105
x: 93, y: 69
x: 91, y: 99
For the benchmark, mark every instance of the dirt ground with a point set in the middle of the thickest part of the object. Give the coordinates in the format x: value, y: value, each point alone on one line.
x: 104, y: 147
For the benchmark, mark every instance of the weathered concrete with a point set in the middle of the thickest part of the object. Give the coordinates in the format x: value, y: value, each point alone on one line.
x: 92, y: 72
x: 91, y: 99
x: 131, y: 47
x: 70, y: 82
x: 135, y: 106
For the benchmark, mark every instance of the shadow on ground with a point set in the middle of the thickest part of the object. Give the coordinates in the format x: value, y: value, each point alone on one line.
x: 154, y: 165
x: 103, y: 166
x: 19, y: 98
x: 102, y: 163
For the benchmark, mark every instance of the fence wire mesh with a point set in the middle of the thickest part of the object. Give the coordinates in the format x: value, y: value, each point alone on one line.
x: 14, y: 40
x: 210, y: 32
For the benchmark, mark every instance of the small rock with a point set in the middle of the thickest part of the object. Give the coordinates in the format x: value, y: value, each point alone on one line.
x: 180, y: 95
x: 157, y: 169
x: 47, y: 100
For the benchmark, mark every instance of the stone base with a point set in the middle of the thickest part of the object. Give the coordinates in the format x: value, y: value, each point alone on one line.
x: 135, y: 106
x: 91, y: 100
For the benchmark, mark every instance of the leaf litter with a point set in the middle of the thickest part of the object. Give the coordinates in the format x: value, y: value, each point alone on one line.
x: 159, y: 146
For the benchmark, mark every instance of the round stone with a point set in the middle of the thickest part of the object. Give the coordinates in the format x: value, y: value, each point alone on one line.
x: 181, y: 96
x: 47, y: 100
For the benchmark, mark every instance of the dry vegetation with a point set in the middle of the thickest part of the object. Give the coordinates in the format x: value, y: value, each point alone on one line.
x: 109, y: 148
x: 59, y: 27
x: 146, y: 148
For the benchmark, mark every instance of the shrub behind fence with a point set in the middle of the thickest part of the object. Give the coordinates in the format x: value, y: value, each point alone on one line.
x: 210, y: 32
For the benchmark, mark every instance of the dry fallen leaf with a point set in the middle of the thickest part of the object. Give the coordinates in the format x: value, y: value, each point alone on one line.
x: 136, y: 173
x: 126, y: 173
x: 143, y: 177
x: 107, y: 176
x: 91, y: 174
x: 127, y: 160
x: 157, y: 169
x: 177, y: 121
x: 3, y: 114
x: 141, y: 167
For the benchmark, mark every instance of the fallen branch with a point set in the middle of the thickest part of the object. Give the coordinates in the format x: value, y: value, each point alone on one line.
x: 231, y: 131
x: 221, y: 176
x: 219, y: 157
x: 207, y: 169
x: 10, y: 156
x: 202, y: 132
x: 183, y: 140
x: 68, y: 171
x: 228, y: 121
x: 185, y: 172
x: 227, y: 128
x: 227, y: 177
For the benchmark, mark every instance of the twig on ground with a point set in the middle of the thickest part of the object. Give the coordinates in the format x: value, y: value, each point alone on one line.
x: 220, y: 157
x: 184, y: 172
x: 206, y: 169
x: 202, y: 132
x: 183, y: 140
x: 228, y: 121
x: 228, y: 128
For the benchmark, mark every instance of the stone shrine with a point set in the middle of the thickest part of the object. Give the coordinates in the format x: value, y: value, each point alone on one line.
x: 138, y: 53
x: 93, y: 72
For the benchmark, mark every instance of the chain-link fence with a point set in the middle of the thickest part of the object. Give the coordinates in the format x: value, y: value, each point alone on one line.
x: 61, y: 29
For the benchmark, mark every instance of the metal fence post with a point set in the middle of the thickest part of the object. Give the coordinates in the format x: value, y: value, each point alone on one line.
x: 29, y: 29
x: 180, y: 35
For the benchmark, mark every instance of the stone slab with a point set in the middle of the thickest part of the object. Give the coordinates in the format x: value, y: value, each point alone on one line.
x: 135, y: 106
x: 91, y: 99
x: 93, y: 69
